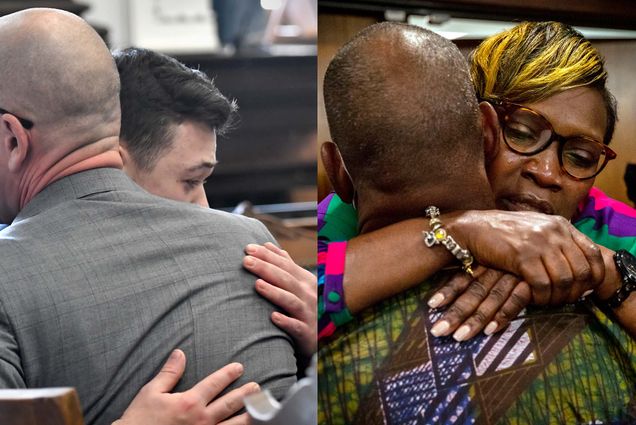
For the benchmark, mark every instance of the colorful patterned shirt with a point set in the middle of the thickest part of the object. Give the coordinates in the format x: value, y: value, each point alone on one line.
x: 604, y: 220
x: 563, y: 366
x: 334, y: 229
x: 607, y: 222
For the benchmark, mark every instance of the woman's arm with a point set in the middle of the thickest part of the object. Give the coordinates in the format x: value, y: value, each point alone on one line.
x: 558, y: 262
x: 554, y: 259
x: 388, y: 261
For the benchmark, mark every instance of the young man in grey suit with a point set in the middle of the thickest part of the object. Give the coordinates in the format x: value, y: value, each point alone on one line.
x: 98, y: 279
x: 171, y: 116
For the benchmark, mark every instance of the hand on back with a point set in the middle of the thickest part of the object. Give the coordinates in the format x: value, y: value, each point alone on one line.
x: 548, y: 262
x: 156, y: 405
x: 291, y: 288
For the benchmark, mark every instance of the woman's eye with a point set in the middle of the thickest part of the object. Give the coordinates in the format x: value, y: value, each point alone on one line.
x: 520, y: 133
x: 582, y: 159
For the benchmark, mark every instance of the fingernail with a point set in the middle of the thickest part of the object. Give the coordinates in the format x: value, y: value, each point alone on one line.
x: 440, y: 328
x: 436, y: 300
x: 248, y: 261
x: 250, y: 248
x: 174, y: 355
x: 461, y: 333
x: 588, y: 292
x: 491, y: 328
x: 239, y: 368
x: 254, y: 387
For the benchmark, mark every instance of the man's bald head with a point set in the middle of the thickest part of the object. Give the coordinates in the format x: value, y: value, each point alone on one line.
x: 401, y: 108
x: 57, y: 72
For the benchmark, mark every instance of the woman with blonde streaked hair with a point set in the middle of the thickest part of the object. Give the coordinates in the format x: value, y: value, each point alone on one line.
x: 549, y: 118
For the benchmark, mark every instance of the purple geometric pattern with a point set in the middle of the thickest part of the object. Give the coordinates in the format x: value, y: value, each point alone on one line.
x: 438, y: 391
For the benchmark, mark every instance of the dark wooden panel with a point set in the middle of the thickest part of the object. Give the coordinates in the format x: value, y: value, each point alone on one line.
x: 7, y: 7
x: 41, y: 406
x: 598, y: 13
x: 272, y: 150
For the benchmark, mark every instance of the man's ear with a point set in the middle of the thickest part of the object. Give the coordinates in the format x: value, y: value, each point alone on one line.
x: 16, y: 142
x: 491, y: 129
x: 336, y: 172
x: 125, y: 156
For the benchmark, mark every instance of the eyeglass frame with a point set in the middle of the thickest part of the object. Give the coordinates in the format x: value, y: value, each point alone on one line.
x: 28, y: 124
x: 504, y: 106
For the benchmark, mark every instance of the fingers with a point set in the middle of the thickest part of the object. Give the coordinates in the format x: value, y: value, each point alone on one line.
x: 558, y: 268
x: 594, y: 257
x: 213, y: 384
x: 304, y: 334
x: 277, y: 257
x: 466, y: 304
x: 243, y: 419
x: 170, y: 373
x: 582, y: 275
x: 534, y: 272
x: 281, y: 298
x: 302, y: 325
x: 453, y: 288
x: 277, y: 250
x: 230, y: 403
x: 486, y: 311
x: 268, y: 255
x: 576, y: 269
x: 271, y: 273
x: 518, y: 300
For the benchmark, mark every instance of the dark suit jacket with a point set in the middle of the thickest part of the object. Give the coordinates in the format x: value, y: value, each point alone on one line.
x: 100, y: 280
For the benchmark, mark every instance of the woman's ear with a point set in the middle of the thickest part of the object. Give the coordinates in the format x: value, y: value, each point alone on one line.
x: 336, y: 171
x: 491, y: 130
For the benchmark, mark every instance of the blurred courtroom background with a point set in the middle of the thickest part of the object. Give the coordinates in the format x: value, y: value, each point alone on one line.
x: 609, y: 24
x: 261, y: 53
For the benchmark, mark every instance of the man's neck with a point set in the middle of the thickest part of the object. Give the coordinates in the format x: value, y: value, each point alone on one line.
x: 50, y: 168
x: 376, y: 210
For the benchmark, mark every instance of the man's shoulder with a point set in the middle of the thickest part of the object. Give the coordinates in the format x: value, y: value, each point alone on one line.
x: 131, y: 220
x: 189, y: 213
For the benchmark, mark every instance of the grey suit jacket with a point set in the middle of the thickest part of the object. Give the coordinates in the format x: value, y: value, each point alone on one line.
x: 100, y: 280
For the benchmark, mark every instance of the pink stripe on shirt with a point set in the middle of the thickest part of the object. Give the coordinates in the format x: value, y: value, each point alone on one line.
x: 601, y: 201
x: 335, y: 258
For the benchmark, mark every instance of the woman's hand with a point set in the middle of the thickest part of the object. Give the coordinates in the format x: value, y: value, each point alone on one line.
x: 557, y: 261
x: 488, y: 302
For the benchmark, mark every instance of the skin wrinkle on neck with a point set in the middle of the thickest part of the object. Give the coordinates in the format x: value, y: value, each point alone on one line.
x: 101, y: 154
x: 375, y: 212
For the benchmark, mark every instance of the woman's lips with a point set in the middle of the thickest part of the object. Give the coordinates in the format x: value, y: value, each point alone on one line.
x: 526, y: 203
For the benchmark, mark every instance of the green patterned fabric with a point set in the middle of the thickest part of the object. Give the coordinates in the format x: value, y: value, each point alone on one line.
x: 560, y: 366
x: 564, y: 366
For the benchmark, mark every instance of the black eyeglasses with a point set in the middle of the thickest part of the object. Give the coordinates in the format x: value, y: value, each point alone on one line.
x: 527, y: 132
x: 25, y: 122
